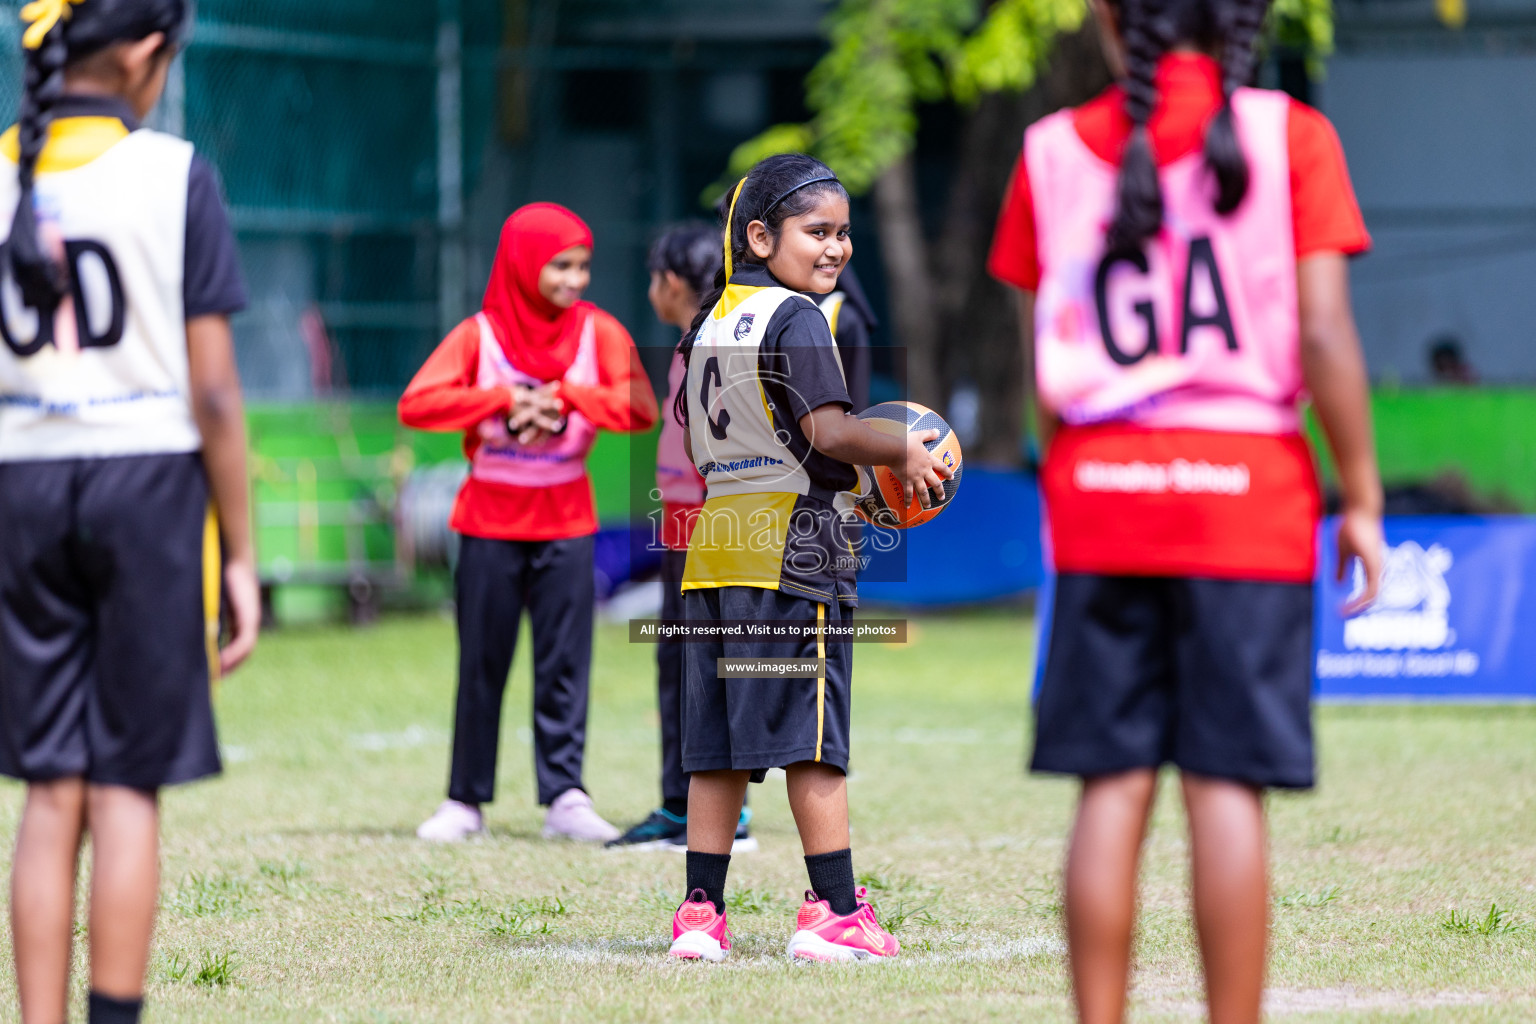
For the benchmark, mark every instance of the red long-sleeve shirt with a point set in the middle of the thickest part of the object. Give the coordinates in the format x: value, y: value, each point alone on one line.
x: 444, y: 396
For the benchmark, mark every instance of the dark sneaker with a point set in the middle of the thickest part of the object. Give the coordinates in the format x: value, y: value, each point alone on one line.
x: 656, y: 832
x: 744, y: 842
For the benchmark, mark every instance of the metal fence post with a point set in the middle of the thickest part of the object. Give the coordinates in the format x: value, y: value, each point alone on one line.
x: 450, y: 166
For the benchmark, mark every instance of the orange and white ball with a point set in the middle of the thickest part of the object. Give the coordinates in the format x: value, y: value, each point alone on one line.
x: 880, y: 499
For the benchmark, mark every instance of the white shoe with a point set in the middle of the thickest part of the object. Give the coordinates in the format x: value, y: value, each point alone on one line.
x: 452, y: 822
x: 571, y: 816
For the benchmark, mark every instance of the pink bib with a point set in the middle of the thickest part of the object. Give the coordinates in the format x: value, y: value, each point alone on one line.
x: 677, y: 478
x: 561, y: 459
x: 1199, y: 329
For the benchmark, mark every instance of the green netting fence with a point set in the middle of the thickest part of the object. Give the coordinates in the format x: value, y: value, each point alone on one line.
x: 347, y: 134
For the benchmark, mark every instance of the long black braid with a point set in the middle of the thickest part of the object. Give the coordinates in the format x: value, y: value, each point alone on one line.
x: 1149, y: 29
x: 42, y: 279
x: 1239, y: 22
x: 82, y: 29
x: 1139, y: 205
x: 776, y: 189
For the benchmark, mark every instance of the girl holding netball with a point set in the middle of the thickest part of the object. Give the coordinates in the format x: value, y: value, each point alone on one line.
x: 122, y: 485
x: 1183, y: 240
x: 683, y: 263
x: 530, y: 379
x: 767, y: 412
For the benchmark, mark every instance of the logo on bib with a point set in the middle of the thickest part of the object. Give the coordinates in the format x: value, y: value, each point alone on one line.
x: 744, y: 325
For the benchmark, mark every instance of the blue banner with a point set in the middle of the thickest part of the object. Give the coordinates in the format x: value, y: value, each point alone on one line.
x: 983, y: 547
x: 1456, y: 616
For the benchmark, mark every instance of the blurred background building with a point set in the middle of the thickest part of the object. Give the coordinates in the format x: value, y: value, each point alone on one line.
x: 1440, y: 131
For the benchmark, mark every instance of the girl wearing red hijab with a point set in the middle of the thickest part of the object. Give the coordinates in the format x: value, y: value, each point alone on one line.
x: 530, y: 379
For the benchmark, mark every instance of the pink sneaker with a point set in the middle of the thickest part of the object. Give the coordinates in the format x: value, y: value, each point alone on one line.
x: 698, y: 932
x: 823, y: 935
x: 571, y: 816
x: 452, y: 822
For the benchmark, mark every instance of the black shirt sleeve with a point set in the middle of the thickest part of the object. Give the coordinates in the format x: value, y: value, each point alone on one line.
x: 804, y: 354
x: 211, y: 282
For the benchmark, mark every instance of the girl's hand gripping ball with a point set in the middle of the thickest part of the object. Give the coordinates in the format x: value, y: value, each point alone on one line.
x: 883, y: 497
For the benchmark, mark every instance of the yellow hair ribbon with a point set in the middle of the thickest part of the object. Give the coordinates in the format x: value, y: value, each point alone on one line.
x: 730, y: 214
x: 41, y: 16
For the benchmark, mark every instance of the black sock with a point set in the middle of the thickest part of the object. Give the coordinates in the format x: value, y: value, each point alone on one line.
x: 832, y: 879
x: 676, y: 808
x: 106, y: 1010
x: 707, y: 871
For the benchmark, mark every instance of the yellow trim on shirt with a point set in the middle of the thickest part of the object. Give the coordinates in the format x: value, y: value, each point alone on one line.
x: 72, y: 142
x: 821, y: 673
x: 836, y: 302
x: 767, y: 412
x: 735, y: 295
x: 738, y: 541
x: 213, y: 579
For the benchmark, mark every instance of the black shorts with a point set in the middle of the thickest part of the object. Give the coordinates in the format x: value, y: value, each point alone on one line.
x: 1213, y: 676
x: 764, y: 722
x: 104, y: 639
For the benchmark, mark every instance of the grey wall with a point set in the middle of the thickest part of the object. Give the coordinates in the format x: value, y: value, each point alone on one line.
x: 1442, y: 149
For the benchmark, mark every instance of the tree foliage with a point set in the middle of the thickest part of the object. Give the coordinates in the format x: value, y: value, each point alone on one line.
x: 888, y: 56
x: 1305, y: 26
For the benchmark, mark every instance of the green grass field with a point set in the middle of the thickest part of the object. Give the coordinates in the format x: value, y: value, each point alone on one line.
x: 295, y: 891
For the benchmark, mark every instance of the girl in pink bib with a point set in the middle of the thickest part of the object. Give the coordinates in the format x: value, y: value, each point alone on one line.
x: 1183, y: 241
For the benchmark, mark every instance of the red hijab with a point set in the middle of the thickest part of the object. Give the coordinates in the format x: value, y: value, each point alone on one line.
x: 538, y: 336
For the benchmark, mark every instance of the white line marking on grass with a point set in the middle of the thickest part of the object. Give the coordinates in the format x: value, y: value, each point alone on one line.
x: 1301, y: 1002
x: 1002, y: 842
x: 638, y: 952
x: 1334, y: 1000
x: 990, y: 952
x: 652, y: 953
x: 937, y: 737
x: 414, y: 736
x: 234, y: 753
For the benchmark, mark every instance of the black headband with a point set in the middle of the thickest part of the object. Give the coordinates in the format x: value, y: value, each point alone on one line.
x: 789, y: 192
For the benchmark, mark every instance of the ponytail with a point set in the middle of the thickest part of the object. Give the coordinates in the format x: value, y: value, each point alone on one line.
x: 734, y: 251
x: 1139, y: 197
x: 707, y: 302
x: 42, y: 279
x: 58, y: 33
x: 776, y: 189
x: 1238, y: 22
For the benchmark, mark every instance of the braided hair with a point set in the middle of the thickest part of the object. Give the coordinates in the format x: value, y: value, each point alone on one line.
x: 1149, y: 29
x: 61, y: 33
x: 776, y: 189
x: 1240, y: 22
